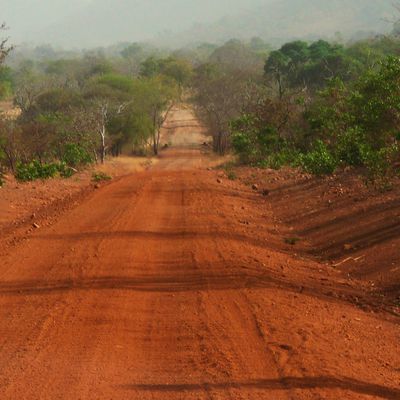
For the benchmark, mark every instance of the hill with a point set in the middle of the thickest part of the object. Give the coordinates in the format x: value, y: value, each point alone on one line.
x: 279, y: 21
x: 91, y: 23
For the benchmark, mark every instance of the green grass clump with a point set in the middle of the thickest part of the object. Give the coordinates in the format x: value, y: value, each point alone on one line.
x: 100, y: 177
x: 292, y: 240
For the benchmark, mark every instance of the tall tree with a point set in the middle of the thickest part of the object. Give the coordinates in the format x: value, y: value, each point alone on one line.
x: 133, y: 55
x: 107, y: 98
x: 221, y: 96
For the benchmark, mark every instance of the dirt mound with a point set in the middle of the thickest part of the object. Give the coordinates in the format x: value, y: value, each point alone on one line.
x: 338, y: 219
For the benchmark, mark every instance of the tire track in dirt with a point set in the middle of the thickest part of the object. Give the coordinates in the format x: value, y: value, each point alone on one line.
x: 152, y: 288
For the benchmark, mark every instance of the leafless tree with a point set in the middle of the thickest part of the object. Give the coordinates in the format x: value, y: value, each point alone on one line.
x: 159, y: 119
x: 99, y: 113
x: 4, y: 47
x: 10, y: 142
x: 26, y: 93
x: 222, y: 96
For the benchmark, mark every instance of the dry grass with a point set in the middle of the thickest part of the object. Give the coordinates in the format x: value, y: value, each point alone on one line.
x: 125, y: 165
x: 8, y: 110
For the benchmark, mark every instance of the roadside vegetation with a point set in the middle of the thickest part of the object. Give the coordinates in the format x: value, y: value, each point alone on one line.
x: 320, y: 106
x: 76, y: 112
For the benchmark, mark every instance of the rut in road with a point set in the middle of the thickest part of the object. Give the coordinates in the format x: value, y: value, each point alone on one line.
x: 152, y: 289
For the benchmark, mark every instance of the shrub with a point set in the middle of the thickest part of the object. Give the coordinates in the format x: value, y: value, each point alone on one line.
x: 350, y: 147
x: 229, y: 171
x: 75, y: 155
x: 254, y: 142
x: 35, y: 170
x: 65, y: 170
x: 379, y: 163
x: 279, y: 159
x: 243, y: 147
x: 100, y: 176
x: 319, y: 161
x: 375, y: 102
x: 292, y: 240
x: 5, y: 90
x: 231, y: 175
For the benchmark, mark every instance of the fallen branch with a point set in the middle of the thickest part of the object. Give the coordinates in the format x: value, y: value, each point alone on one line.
x: 348, y: 259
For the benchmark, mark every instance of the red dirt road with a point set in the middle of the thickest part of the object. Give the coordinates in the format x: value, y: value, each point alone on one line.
x: 166, y: 284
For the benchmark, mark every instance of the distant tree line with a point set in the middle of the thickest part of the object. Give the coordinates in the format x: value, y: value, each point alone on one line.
x: 77, y: 111
x: 320, y: 106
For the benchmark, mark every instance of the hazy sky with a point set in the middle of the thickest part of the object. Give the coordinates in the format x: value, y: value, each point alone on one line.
x: 34, y: 19
x: 86, y: 23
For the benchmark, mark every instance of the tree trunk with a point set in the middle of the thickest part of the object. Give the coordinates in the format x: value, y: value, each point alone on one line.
x: 220, y: 142
x: 155, y: 142
x: 103, y: 146
x: 158, y: 138
x: 155, y: 145
x: 158, y: 123
x: 10, y: 158
x: 280, y: 86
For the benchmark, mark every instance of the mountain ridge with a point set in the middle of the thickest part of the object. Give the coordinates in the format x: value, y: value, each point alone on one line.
x: 93, y: 23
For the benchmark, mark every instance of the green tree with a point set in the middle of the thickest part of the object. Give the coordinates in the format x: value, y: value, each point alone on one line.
x: 159, y: 99
x: 277, y: 67
x: 107, y: 97
x: 150, y: 67
x: 235, y: 55
x: 6, y: 82
x: 179, y: 70
x: 133, y: 55
x: 297, y: 52
x: 284, y: 66
x: 375, y: 103
x: 327, y: 61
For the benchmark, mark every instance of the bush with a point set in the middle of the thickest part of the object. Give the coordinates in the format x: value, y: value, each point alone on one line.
x: 281, y: 158
x: 350, y: 147
x: 254, y: 144
x: 1, y: 177
x: 65, y: 170
x: 319, y: 161
x: 243, y: 147
x: 100, y: 176
x: 292, y: 240
x: 261, y: 146
x: 5, y: 90
x: 351, y: 122
x: 379, y: 163
x: 231, y: 175
x: 75, y: 155
x: 229, y: 170
x: 35, y: 170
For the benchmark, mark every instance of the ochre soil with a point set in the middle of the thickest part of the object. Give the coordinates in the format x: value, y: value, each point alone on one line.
x: 176, y: 283
x: 341, y: 220
x: 23, y: 205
